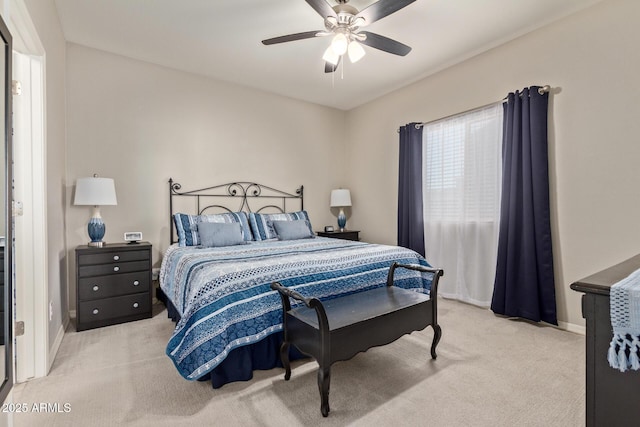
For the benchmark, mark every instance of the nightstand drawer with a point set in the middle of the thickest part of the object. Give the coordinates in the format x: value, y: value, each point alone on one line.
x: 113, y: 268
x: 90, y: 288
x: 112, y: 308
x: 112, y: 257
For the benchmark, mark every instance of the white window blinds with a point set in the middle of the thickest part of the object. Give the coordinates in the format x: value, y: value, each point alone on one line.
x: 462, y: 164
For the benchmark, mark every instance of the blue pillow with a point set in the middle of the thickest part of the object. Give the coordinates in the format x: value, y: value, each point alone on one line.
x: 262, y: 224
x: 292, y: 230
x: 187, y: 230
x: 217, y: 234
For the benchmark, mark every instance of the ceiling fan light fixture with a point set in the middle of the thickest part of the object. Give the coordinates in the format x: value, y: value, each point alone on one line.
x: 358, y: 22
x: 339, y: 44
x: 330, y: 23
x: 330, y: 56
x: 356, y: 52
x: 343, y: 21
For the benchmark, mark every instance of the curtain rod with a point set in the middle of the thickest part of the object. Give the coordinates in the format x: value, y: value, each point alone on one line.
x: 541, y: 90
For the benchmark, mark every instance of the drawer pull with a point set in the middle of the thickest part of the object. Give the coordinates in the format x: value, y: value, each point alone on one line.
x: 116, y: 257
x: 135, y: 305
x: 95, y: 311
x: 116, y: 268
x: 95, y: 288
x: 136, y: 282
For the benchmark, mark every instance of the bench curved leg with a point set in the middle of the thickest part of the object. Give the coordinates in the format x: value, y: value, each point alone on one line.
x: 437, y: 333
x: 284, y: 358
x: 324, y: 379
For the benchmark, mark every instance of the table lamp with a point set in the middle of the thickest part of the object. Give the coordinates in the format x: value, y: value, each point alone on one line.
x: 341, y: 198
x: 96, y: 192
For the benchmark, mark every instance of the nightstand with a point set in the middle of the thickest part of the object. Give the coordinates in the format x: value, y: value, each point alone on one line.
x: 113, y: 284
x: 344, y: 235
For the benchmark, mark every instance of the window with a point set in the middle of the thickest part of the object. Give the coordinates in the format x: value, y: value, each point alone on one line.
x: 462, y: 166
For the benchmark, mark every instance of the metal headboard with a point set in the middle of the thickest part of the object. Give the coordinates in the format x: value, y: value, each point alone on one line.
x: 239, y: 192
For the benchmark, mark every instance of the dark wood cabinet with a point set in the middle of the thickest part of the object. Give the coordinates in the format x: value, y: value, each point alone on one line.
x: 113, y: 284
x: 2, y: 295
x: 344, y: 235
x: 613, y: 397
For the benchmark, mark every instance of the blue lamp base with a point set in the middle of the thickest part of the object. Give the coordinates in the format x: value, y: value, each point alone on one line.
x: 342, y: 220
x: 96, y: 229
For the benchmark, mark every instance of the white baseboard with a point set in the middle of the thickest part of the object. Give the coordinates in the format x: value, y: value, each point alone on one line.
x: 55, y: 347
x: 572, y: 327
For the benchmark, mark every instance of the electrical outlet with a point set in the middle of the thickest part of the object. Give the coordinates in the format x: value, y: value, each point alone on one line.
x: 50, y: 311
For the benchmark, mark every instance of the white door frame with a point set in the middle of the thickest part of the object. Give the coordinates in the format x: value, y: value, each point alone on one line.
x: 33, y: 358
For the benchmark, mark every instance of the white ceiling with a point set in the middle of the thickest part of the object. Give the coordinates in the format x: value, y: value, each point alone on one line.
x: 222, y: 40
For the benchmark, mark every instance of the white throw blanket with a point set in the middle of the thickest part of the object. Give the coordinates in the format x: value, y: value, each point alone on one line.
x: 624, y: 351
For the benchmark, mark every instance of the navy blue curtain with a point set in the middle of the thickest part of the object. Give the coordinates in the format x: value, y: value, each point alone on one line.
x: 524, y: 285
x: 410, y: 218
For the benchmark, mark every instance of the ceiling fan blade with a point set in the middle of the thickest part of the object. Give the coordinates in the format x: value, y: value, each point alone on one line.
x: 384, y: 43
x: 322, y: 7
x: 291, y: 37
x: 329, y: 67
x: 382, y: 8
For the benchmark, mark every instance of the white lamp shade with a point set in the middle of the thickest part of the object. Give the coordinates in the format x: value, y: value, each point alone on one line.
x: 340, y: 198
x: 339, y: 44
x: 356, y: 52
x: 330, y: 56
x: 95, y: 191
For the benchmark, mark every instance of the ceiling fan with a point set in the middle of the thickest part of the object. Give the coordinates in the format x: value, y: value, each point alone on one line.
x: 344, y: 22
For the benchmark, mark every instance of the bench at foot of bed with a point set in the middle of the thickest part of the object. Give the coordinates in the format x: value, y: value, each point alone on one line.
x: 342, y: 327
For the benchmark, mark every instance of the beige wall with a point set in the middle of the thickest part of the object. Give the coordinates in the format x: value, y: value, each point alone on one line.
x: 142, y: 124
x: 591, y: 60
x: 45, y: 19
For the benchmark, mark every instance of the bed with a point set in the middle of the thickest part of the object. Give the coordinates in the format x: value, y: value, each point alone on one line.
x: 228, y: 320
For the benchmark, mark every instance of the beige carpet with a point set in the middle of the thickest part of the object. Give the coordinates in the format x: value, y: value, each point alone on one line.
x: 490, y: 371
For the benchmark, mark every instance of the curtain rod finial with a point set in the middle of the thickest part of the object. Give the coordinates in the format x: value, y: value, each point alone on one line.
x: 543, y: 89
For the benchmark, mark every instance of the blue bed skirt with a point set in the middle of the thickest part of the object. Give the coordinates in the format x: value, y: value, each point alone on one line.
x: 242, y: 361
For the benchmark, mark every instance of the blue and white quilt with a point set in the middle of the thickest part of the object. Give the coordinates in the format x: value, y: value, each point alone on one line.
x: 224, y: 298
